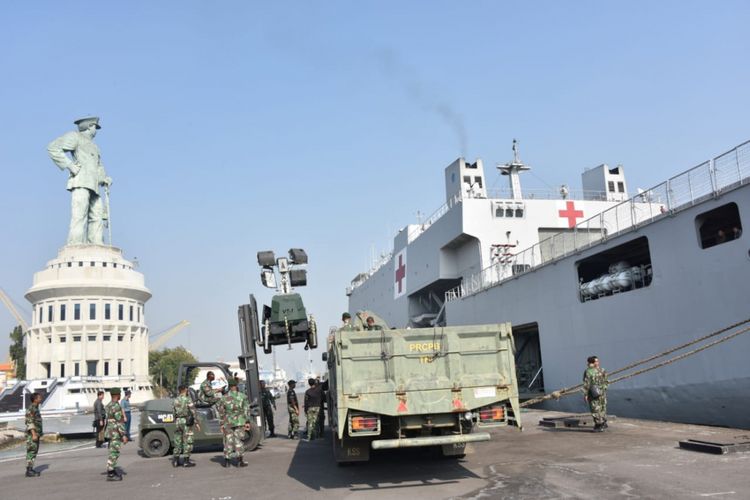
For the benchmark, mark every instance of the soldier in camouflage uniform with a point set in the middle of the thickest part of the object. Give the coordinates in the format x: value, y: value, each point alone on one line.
x: 293, y: 406
x: 313, y: 398
x: 185, y: 418
x: 33, y: 433
x: 115, y: 433
x: 234, y: 409
x: 595, y: 392
x: 269, y: 407
x: 206, y: 394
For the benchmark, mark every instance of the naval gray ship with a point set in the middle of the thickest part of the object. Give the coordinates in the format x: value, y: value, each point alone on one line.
x: 595, y: 272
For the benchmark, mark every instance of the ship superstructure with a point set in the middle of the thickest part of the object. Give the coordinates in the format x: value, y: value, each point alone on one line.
x: 596, y: 272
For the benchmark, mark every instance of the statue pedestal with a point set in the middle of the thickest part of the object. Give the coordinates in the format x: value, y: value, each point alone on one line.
x: 88, y: 317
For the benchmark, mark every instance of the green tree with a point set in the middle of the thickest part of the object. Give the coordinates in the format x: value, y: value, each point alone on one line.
x: 18, y: 352
x: 163, y: 366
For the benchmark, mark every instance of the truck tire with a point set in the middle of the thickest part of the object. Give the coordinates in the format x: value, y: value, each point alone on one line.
x: 253, y: 436
x: 155, y: 444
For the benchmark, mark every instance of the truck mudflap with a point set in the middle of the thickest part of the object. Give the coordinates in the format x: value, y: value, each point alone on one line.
x: 382, y: 444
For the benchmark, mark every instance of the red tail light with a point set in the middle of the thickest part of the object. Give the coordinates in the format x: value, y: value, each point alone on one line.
x: 493, y: 414
x: 364, y: 424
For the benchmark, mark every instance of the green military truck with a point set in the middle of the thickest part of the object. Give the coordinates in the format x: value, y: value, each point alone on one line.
x: 397, y: 388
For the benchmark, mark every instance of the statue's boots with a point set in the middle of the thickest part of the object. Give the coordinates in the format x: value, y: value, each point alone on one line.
x: 31, y: 472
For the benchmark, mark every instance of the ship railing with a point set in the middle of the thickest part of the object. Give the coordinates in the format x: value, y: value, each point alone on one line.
x: 707, y: 180
x: 548, y: 194
x: 416, y: 230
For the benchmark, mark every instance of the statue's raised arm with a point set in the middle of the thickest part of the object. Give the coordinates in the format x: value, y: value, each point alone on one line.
x: 76, y: 152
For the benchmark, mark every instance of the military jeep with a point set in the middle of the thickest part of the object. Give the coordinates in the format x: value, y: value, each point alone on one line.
x: 157, y: 426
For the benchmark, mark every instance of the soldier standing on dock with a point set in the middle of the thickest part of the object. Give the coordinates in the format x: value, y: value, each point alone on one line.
x: 293, y: 406
x: 33, y: 433
x: 115, y: 432
x: 595, y: 392
x: 185, y: 418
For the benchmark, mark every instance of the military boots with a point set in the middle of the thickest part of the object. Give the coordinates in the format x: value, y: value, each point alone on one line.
x: 241, y: 463
x: 176, y: 461
x: 226, y: 463
x: 113, y: 475
x: 31, y: 472
x: 188, y: 463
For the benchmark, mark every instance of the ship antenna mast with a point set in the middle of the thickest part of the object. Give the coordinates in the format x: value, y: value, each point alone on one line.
x: 512, y: 169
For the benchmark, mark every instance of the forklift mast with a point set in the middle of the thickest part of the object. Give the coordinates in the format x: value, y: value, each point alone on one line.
x: 249, y: 333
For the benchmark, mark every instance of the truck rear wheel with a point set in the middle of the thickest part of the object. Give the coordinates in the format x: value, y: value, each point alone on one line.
x: 155, y: 444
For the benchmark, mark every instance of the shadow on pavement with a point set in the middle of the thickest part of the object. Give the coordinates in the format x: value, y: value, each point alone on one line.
x: 387, y: 469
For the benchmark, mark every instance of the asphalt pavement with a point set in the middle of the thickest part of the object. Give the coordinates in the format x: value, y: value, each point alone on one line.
x: 634, y: 459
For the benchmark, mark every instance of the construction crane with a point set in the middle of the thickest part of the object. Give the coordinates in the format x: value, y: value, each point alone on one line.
x: 164, y: 337
x: 13, y: 310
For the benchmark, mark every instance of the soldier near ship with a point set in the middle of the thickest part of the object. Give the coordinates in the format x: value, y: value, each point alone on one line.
x: 313, y: 398
x: 371, y: 324
x: 185, y: 418
x: 115, y: 433
x: 33, y: 433
x: 269, y: 407
x: 207, y: 396
x: 234, y: 408
x: 293, y: 407
x: 595, y: 392
x: 346, y: 321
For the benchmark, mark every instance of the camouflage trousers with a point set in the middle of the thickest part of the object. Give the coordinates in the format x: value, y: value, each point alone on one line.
x: 598, y: 409
x: 32, y: 448
x: 234, y: 447
x: 115, y: 443
x: 293, y: 424
x: 183, y: 438
x: 312, y: 422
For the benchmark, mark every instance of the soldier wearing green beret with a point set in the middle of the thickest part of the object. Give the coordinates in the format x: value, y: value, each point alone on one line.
x: 115, y: 433
x: 234, y: 409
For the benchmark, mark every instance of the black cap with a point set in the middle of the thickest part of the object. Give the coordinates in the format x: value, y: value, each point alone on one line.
x: 292, y: 382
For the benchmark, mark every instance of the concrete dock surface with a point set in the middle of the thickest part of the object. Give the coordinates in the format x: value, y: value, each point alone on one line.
x: 632, y: 459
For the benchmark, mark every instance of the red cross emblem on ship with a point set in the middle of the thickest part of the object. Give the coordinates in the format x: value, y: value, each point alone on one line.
x: 570, y: 213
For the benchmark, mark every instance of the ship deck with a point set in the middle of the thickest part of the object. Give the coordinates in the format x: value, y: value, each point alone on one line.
x: 633, y: 459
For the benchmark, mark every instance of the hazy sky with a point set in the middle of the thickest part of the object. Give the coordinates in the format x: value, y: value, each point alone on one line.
x: 233, y: 127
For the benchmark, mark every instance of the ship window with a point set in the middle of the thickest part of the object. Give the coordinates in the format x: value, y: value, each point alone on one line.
x: 92, y: 311
x: 620, y: 269
x: 499, y: 211
x: 49, y: 313
x: 107, y: 311
x: 62, y: 369
x: 720, y: 225
x: 106, y: 368
x: 41, y: 314
x: 76, y: 338
x: 91, y: 264
x: 131, y: 313
x: 92, y: 338
x: 76, y: 372
x: 70, y: 264
x: 120, y: 337
x: 621, y: 187
x: 91, y: 368
x: 509, y: 212
x: 119, y: 367
x: 106, y: 338
x: 80, y: 263
x: 519, y: 212
x: 104, y: 264
x: 611, y: 186
x: 76, y: 311
x: 63, y: 339
x: 478, y: 181
x: 120, y: 311
x: 114, y: 265
x: 62, y: 312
